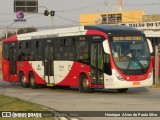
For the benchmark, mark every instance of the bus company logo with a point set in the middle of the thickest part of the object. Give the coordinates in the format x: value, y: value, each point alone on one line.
x: 6, y: 114
x: 38, y: 67
x: 61, y: 67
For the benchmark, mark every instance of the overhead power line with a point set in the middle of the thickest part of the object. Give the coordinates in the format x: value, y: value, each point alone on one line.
x: 98, y: 4
x: 6, y: 20
x: 66, y: 18
x: 80, y: 8
x: 6, y: 14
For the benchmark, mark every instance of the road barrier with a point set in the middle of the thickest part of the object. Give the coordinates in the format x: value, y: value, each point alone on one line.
x: 157, y: 66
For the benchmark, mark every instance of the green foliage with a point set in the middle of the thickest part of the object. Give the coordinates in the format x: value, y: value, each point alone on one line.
x: 9, y: 34
x: 20, y: 31
x: 26, y: 30
x: 15, y: 104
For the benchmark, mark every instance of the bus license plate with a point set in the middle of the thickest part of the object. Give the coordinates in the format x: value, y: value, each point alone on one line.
x: 136, y: 83
x: 50, y: 85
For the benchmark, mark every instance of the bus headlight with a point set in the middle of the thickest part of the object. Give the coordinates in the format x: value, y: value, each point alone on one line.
x: 119, y: 77
x: 150, y: 74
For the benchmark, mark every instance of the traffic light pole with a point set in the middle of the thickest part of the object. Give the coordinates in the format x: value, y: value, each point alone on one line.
x: 7, y: 27
x: 53, y: 25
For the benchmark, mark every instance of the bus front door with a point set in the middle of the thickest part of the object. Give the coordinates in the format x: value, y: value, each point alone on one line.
x: 49, y: 66
x: 97, y: 64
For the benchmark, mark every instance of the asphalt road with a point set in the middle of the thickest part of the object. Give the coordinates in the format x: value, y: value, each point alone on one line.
x: 137, y: 99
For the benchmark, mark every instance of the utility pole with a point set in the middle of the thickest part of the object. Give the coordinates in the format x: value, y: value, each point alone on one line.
x: 6, y: 32
x: 53, y: 25
x: 7, y: 29
x: 106, y: 4
x: 120, y: 5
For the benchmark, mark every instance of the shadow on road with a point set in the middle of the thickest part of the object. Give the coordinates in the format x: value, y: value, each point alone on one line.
x: 76, y: 89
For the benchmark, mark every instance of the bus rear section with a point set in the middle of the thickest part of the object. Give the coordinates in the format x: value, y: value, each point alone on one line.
x: 9, y: 59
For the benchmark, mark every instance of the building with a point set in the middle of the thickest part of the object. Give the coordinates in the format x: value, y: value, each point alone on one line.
x: 150, y: 24
x: 112, y: 17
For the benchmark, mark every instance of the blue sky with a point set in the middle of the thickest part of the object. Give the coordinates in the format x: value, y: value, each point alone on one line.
x: 68, y: 11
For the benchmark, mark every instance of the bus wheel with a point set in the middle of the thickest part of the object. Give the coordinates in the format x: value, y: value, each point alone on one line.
x: 33, y: 81
x: 23, y: 80
x: 122, y: 90
x: 84, y: 84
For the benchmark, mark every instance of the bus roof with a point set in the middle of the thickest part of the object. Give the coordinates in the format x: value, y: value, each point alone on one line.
x: 115, y: 29
x: 75, y: 31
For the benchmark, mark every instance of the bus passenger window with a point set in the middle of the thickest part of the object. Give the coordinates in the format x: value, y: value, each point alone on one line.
x: 71, y: 56
x: 65, y: 55
x: 26, y: 44
x: 58, y: 56
x: 37, y: 44
x: 32, y: 56
x: 83, y: 50
x: 85, y: 56
x: 5, y: 51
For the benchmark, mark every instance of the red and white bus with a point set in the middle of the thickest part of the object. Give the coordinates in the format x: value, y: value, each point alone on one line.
x: 88, y: 57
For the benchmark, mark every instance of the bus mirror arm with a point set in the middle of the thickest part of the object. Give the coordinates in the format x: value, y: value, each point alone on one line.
x: 106, y: 47
x: 150, y: 46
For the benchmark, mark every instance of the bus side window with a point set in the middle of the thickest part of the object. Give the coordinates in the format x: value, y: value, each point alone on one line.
x: 32, y: 56
x: 83, y: 51
x: 5, y: 51
x: 107, y: 64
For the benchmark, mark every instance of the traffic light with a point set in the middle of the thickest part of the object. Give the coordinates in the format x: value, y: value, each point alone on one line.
x: 46, y: 13
x: 49, y: 13
x: 52, y: 13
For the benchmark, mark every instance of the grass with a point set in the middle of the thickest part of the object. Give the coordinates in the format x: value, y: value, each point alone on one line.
x: 15, y: 104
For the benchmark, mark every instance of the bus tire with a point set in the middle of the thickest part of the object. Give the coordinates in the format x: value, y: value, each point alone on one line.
x: 84, y: 84
x: 23, y: 80
x: 32, y: 81
x: 122, y: 90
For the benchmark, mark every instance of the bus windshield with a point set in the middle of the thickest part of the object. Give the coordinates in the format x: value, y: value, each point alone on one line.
x: 130, y: 54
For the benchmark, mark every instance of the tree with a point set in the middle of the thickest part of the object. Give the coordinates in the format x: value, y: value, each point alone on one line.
x: 9, y: 34
x: 26, y: 30
x: 20, y: 31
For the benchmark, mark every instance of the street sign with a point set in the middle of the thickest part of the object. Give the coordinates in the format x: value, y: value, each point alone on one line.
x: 27, y: 6
x: 20, y: 17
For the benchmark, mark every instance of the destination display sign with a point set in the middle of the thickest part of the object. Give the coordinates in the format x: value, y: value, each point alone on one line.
x: 127, y: 38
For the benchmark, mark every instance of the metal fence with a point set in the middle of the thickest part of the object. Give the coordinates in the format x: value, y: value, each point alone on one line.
x: 157, y: 66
